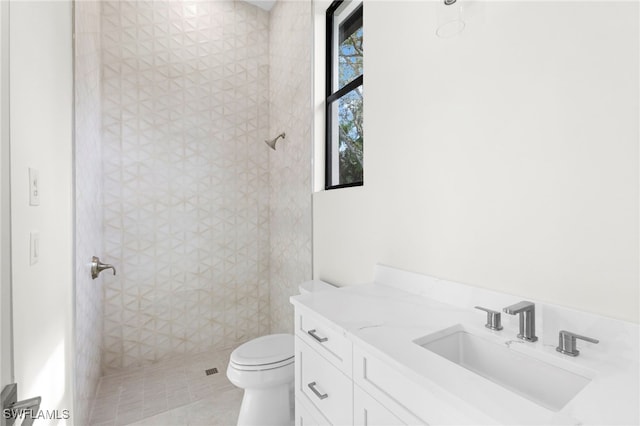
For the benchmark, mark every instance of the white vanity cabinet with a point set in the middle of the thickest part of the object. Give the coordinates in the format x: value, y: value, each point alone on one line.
x: 307, y: 415
x: 334, y: 386
x: 323, y: 383
x: 323, y: 386
x: 368, y: 411
x: 324, y: 338
x: 371, y: 350
x: 399, y: 395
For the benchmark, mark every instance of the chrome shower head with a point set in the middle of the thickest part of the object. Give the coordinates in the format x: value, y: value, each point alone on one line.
x: 272, y: 142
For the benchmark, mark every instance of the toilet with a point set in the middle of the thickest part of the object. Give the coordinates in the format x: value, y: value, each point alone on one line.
x: 264, y: 368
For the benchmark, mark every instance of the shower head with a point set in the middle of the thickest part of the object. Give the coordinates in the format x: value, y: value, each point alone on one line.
x: 272, y: 142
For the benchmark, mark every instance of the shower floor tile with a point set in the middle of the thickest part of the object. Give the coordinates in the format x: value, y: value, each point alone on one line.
x: 221, y: 409
x: 172, y: 392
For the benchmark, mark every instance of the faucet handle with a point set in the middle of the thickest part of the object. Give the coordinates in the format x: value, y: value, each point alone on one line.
x: 567, y: 342
x: 97, y: 267
x: 493, y: 318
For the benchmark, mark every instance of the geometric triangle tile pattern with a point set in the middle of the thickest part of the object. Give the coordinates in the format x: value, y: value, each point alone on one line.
x: 88, y: 206
x: 290, y: 105
x: 210, y: 229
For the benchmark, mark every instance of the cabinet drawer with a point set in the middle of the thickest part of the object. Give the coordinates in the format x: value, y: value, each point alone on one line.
x: 308, y: 415
x: 369, y: 412
x: 322, y: 384
x: 408, y: 400
x: 325, y: 338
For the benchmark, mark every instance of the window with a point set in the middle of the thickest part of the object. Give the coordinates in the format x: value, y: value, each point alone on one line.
x: 344, y: 101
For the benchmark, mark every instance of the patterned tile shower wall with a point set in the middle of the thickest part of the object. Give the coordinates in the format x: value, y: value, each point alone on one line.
x: 88, y: 221
x: 186, y: 177
x: 290, y: 166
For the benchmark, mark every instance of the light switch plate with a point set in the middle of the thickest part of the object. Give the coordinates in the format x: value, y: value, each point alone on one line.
x: 34, y: 187
x: 34, y: 247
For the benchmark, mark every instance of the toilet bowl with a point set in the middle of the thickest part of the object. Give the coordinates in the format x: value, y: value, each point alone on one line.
x: 264, y: 368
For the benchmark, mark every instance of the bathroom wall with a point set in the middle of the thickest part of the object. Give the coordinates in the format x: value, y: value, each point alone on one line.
x: 506, y: 157
x: 6, y: 339
x: 88, y: 204
x: 41, y: 134
x: 186, y: 177
x: 290, y: 49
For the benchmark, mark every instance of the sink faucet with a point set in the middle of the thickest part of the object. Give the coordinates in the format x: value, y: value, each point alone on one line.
x: 567, y: 342
x: 527, y: 311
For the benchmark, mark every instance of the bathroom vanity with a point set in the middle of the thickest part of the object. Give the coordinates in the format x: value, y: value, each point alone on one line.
x: 411, y: 349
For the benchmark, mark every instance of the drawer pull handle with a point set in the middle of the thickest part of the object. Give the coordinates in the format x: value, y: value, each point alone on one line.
x: 313, y: 334
x: 312, y: 386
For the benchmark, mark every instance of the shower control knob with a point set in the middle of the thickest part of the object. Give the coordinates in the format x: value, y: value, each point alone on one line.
x: 97, y: 267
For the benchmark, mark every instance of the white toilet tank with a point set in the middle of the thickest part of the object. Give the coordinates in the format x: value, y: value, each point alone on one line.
x: 314, y: 286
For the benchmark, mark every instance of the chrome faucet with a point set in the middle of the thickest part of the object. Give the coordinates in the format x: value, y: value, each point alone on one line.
x: 567, y: 342
x: 527, y: 311
x: 493, y: 318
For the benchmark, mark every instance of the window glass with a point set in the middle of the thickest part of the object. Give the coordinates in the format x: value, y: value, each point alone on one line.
x: 344, y: 102
x: 349, y: 112
x: 350, y: 49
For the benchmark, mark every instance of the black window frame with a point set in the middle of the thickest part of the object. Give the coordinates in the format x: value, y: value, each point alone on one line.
x: 331, y: 96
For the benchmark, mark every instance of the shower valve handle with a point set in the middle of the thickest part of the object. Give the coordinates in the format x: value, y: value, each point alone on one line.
x: 97, y: 267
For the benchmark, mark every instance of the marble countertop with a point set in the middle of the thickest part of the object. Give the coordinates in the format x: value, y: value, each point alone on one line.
x: 385, y: 321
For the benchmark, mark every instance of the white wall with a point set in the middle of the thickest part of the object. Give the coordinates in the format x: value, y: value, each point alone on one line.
x: 505, y: 158
x: 41, y: 136
x: 6, y: 351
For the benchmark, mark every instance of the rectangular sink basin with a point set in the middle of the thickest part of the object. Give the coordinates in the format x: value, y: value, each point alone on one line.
x: 547, y: 385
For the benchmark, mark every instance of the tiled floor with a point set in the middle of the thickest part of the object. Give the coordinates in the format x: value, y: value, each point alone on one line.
x: 173, y: 392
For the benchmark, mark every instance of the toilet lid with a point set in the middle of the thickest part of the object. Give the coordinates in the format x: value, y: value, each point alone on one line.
x: 270, y: 349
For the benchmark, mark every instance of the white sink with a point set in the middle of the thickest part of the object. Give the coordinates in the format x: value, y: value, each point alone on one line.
x: 547, y: 385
